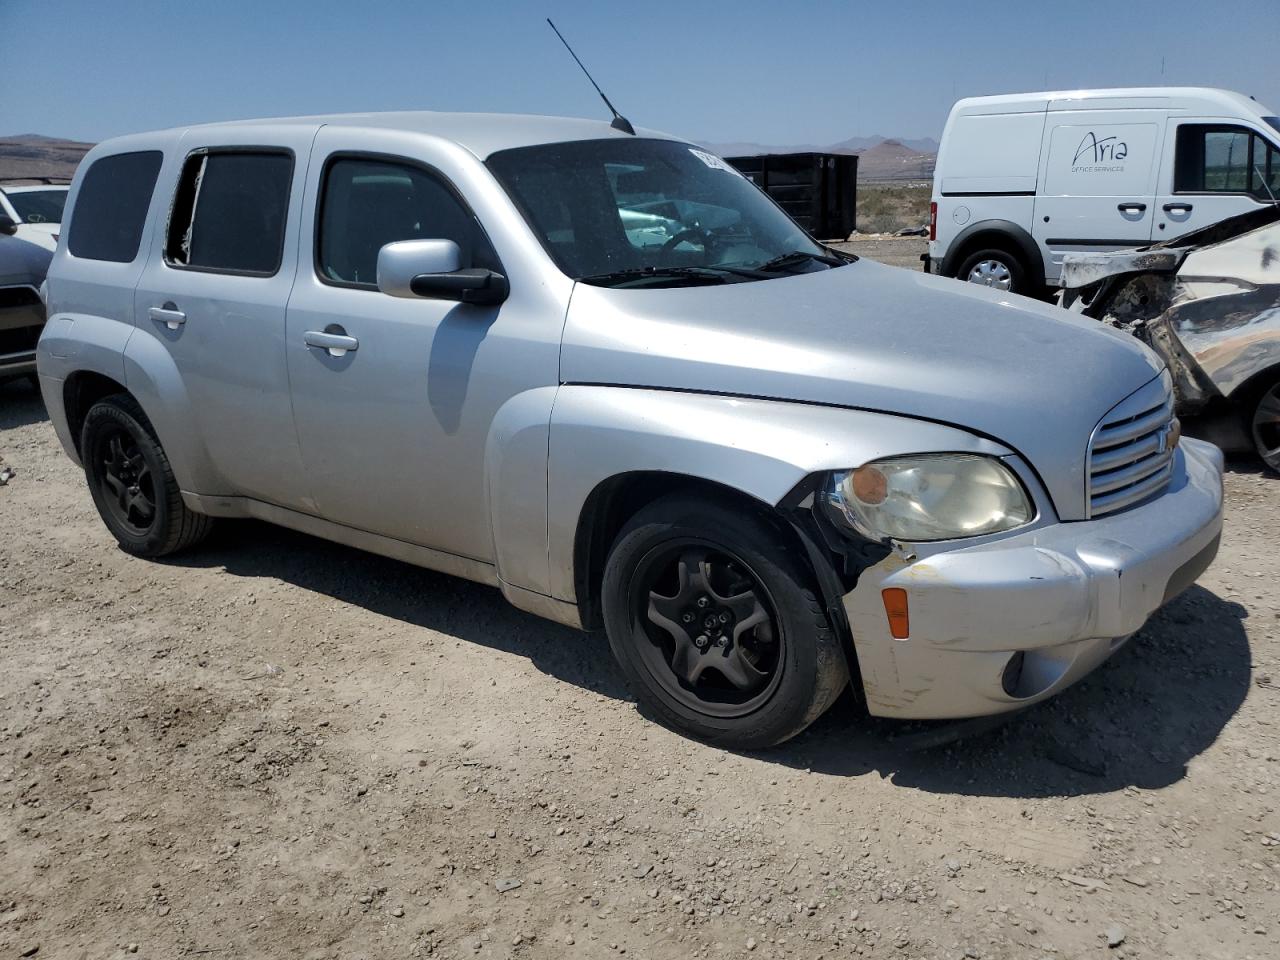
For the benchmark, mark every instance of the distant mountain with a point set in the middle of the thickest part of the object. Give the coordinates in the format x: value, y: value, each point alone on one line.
x: 34, y: 155
x: 879, y: 158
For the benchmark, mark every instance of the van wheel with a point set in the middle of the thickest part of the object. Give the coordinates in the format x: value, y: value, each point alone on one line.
x: 1266, y: 427
x: 995, y: 268
x: 715, y: 622
x: 132, y: 483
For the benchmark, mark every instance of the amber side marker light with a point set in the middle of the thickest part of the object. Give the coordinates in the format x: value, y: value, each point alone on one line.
x: 895, y: 608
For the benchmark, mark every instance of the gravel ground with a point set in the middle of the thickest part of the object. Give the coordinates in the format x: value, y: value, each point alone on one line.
x: 895, y: 251
x: 279, y: 747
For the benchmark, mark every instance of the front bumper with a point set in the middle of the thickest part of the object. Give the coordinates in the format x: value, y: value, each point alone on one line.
x: 1065, y: 596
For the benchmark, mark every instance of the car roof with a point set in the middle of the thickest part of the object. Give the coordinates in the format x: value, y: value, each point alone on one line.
x: 1200, y: 98
x: 480, y: 133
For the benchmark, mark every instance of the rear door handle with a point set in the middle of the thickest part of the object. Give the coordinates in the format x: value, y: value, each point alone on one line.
x: 338, y: 344
x: 1177, y: 208
x: 169, y: 315
x: 1132, y: 207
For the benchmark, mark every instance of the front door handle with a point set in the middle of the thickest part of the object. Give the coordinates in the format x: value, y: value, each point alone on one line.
x: 169, y: 315
x: 338, y: 344
x: 1130, y: 208
x: 1177, y: 208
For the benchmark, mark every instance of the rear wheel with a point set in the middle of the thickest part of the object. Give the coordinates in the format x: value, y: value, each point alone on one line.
x: 132, y: 484
x: 997, y: 269
x: 715, y: 622
x: 1266, y: 427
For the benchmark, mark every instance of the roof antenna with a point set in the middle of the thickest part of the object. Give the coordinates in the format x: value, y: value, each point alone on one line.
x: 619, y: 121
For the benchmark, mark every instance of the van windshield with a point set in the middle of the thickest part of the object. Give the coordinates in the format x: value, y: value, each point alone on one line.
x: 653, y: 213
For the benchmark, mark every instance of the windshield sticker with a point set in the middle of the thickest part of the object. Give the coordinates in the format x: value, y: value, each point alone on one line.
x: 714, y: 162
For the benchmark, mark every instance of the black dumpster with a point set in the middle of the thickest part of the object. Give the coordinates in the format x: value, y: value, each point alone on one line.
x: 819, y: 190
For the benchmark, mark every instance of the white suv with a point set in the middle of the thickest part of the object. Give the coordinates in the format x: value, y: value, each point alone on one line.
x: 35, y: 209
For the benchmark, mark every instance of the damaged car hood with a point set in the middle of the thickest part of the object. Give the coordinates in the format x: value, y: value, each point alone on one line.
x: 1033, y: 377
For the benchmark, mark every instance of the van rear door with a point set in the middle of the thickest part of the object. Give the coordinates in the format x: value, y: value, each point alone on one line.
x: 1097, y: 181
x: 1213, y: 169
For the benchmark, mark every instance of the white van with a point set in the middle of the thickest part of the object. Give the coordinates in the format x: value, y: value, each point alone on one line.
x: 1022, y: 180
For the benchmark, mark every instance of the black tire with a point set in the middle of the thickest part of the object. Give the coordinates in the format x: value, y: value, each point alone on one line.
x: 796, y: 651
x: 132, y: 483
x: 1264, y: 426
x: 1019, y: 281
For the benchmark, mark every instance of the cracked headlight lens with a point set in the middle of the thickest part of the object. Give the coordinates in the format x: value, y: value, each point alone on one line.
x: 940, y: 496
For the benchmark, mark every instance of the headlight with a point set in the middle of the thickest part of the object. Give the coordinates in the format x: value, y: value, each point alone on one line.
x: 929, y: 497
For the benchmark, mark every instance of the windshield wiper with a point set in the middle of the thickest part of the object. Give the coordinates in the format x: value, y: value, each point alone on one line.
x: 710, y: 274
x: 797, y: 257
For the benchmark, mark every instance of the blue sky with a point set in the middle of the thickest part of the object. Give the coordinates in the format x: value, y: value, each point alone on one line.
x: 770, y: 71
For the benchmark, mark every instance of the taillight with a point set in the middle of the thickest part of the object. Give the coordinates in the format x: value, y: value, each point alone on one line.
x: 933, y: 220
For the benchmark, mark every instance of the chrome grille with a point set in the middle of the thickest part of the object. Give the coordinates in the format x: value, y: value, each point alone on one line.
x: 1131, y: 450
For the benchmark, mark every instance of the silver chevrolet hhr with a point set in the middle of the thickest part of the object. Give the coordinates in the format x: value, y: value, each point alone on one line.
x: 606, y: 374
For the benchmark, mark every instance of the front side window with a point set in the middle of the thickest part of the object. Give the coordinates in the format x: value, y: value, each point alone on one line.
x: 1225, y: 159
x: 230, y: 211
x: 368, y: 203
x: 111, y: 207
x: 39, y: 206
x: 633, y: 212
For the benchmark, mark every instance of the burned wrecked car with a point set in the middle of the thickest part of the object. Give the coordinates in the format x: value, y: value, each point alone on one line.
x: 1209, y: 303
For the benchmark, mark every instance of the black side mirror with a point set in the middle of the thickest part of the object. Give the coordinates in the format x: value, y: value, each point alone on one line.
x: 7, y: 226
x: 477, y: 285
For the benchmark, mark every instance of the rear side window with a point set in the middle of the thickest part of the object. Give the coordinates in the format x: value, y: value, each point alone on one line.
x: 111, y: 208
x: 229, y: 212
x: 366, y: 204
x: 1225, y: 159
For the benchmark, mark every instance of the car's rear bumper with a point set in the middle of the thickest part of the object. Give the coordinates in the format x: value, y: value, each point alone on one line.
x: 1064, y: 597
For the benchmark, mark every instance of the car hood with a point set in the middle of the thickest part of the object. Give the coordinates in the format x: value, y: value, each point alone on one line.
x: 22, y: 262
x: 1034, y: 377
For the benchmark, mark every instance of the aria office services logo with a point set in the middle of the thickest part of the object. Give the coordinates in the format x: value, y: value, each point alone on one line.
x: 1099, y: 155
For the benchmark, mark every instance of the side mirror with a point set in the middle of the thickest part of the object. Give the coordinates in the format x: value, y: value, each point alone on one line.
x: 7, y: 226
x: 432, y: 268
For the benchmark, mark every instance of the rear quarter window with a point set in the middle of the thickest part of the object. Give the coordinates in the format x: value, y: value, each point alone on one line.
x: 111, y: 208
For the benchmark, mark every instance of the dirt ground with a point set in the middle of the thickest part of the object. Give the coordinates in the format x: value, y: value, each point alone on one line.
x: 277, y: 747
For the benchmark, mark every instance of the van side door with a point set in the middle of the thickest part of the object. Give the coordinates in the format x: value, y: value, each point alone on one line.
x: 1212, y: 170
x: 1097, y: 182
x: 210, y: 306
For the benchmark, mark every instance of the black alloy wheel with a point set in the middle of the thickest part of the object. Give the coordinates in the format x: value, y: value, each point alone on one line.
x: 125, y: 480
x: 714, y: 641
x: 712, y: 613
x: 132, y: 482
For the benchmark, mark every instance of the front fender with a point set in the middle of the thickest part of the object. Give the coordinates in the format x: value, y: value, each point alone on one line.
x: 763, y: 448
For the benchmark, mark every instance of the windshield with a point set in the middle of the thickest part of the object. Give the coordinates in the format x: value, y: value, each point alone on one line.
x: 1273, y: 121
x: 652, y: 213
x: 38, y: 206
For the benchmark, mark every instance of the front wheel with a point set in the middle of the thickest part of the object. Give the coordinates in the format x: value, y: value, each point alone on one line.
x: 714, y: 619
x: 1266, y: 427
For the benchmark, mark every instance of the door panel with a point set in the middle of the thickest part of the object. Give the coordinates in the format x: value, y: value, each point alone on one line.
x: 1097, y: 182
x: 393, y: 432
x: 1212, y: 170
x: 224, y: 326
